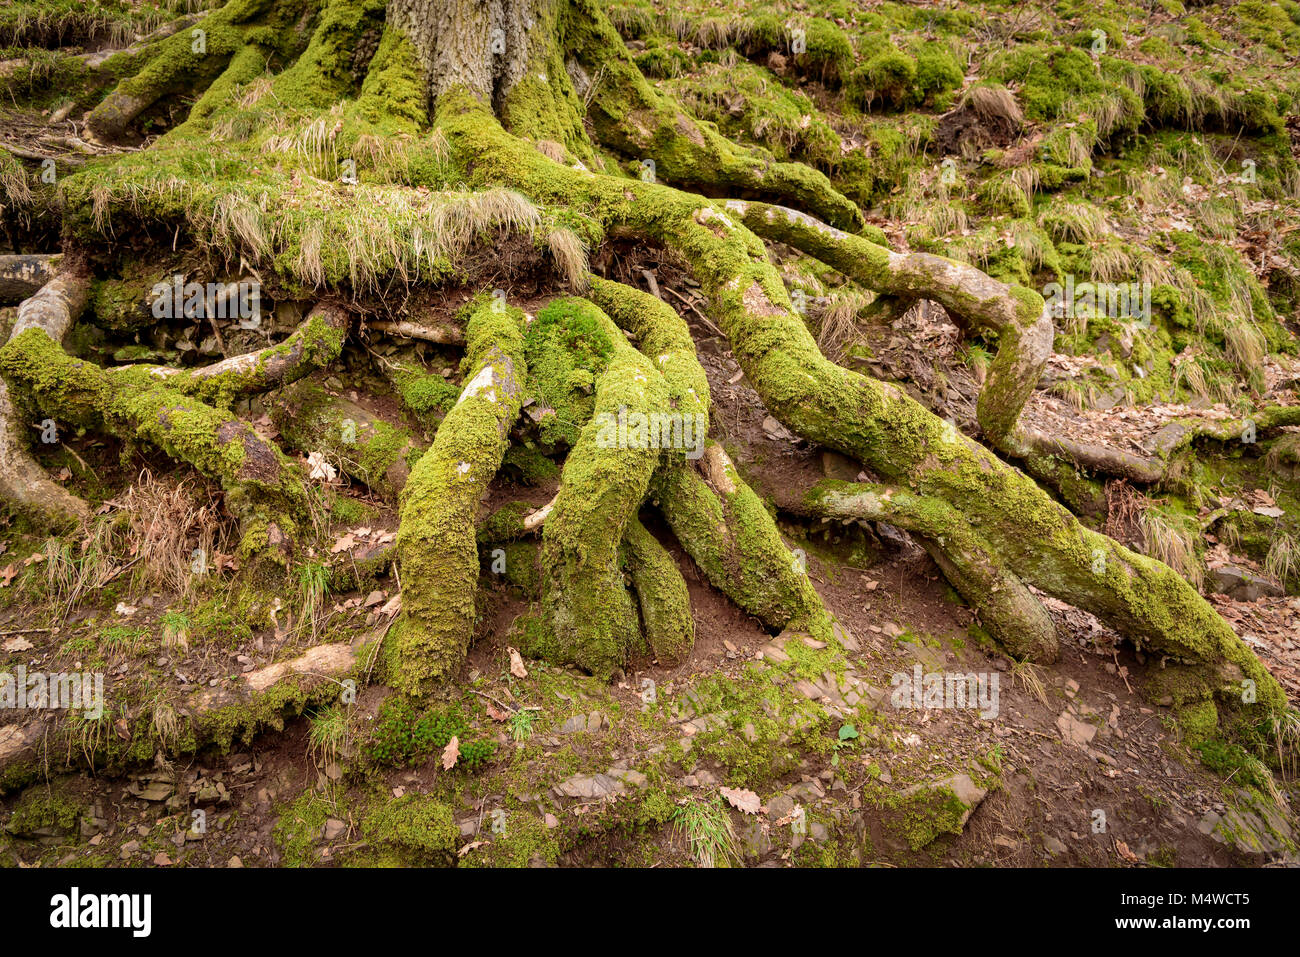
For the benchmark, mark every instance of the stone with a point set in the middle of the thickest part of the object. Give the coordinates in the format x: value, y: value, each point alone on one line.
x: 1242, y: 585
x: 589, y: 786
x: 1076, y: 732
x: 334, y: 829
x: 780, y: 806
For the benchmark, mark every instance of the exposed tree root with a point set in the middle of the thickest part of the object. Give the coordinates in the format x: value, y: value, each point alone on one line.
x: 435, y: 540
x: 725, y: 528
x: 988, y: 525
x: 634, y: 118
x: 264, y: 490
x: 51, y: 311
x: 1037, y: 540
x: 661, y: 595
x: 604, y: 480
x: 21, y: 276
x: 1007, y: 608
x: 365, y: 447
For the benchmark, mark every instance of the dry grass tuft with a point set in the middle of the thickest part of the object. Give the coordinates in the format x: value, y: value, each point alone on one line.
x: 570, y: 257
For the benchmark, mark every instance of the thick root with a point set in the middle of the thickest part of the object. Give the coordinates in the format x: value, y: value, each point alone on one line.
x: 1011, y: 613
x: 661, y: 594
x: 686, y: 152
x: 264, y: 490
x: 23, y: 483
x: 438, y: 556
x: 365, y: 447
x: 731, y: 536
x: 1038, y: 541
x: 602, y: 485
x: 184, y: 61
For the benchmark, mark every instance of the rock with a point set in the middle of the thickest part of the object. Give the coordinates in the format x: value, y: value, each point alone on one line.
x: 153, y: 790
x: 129, y: 848
x: 755, y: 842
x: 577, y: 723
x: 589, y: 786
x: 1053, y: 846
x: 775, y: 430
x: 1238, y: 583
x: 1208, y: 823
x: 780, y: 806
x: 634, y: 778
x: 1076, y: 732
x: 334, y: 829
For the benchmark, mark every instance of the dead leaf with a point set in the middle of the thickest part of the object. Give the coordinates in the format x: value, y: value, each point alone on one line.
x: 742, y: 800
x: 7, y: 575
x: 320, y: 469
x: 517, y: 664
x: 1122, y: 850
x: 451, y: 753
x: 18, y: 644
x: 496, y: 714
x: 469, y: 847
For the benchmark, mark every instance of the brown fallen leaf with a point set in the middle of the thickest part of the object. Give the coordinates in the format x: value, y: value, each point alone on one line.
x: 7, y: 575
x: 496, y: 714
x: 517, y: 664
x: 18, y: 644
x: 742, y: 800
x: 469, y: 847
x: 1122, y: 849
x: 451, y: 753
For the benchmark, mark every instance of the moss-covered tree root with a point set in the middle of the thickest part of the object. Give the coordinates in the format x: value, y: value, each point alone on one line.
x: 734, y: 540
x: 603, y: 483
x: 437, y: 553
x: 52, y: 309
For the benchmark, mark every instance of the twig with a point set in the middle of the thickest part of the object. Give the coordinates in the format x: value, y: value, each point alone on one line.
x: 695, y: 309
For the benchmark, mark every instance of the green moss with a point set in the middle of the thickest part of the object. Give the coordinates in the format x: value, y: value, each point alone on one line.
x: 300, y: 826
x: 436, y: 535
x: 41, y: 811
x: 418, y: 831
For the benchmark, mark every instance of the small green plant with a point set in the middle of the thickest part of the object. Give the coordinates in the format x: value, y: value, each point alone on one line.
x: 708, y: 830
x: 328, y: 735
x: 404, y: 736
x: 313, y: 586
x: 175, y: 629
x: 521, y: 723
x: 844, y: 740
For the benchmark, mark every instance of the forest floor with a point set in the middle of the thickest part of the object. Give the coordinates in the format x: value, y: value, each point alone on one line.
x: 1078, y: 767
x: 758, y: 749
